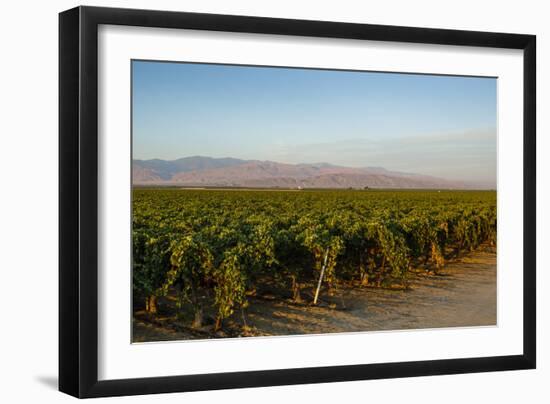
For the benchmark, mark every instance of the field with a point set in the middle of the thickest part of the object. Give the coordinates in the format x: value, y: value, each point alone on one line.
x: 223, y: 263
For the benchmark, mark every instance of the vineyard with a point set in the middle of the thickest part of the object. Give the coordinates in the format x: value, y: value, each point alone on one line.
x: 213, y: 250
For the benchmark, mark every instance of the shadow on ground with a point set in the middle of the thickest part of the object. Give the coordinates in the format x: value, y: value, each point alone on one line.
x: 48, y: 381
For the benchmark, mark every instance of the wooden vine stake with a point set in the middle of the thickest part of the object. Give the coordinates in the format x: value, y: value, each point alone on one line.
x: 321, y: 278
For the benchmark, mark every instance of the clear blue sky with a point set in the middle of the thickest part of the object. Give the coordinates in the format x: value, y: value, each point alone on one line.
x: 436, y: 125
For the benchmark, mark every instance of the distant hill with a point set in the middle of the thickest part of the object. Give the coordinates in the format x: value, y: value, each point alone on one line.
x: 198, y: 171
x: 165, y: 170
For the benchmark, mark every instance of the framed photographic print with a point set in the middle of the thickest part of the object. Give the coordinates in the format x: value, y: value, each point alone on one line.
x: 250, y: 201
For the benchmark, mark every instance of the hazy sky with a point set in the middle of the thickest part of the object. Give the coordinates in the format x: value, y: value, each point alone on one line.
x: 435, y: 125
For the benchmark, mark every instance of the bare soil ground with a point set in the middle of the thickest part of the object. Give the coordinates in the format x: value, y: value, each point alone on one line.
x: 464, y: 294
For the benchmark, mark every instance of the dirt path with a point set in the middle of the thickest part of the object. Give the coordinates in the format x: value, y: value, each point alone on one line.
x: 463, y: 295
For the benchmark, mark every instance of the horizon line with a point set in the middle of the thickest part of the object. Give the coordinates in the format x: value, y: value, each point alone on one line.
x: 483, y: 184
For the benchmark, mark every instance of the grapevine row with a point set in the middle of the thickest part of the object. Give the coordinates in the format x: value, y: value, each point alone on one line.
x: 230, y: 242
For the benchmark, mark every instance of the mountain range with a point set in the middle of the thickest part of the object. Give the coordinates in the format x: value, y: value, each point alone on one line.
x: 199, y: 171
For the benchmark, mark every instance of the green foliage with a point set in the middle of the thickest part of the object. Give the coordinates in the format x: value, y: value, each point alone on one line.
x: 228, y: 242
x: 151, y: 255
x: 191, y: 263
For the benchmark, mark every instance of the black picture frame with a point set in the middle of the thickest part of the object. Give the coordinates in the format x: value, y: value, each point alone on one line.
x: 78, y: 201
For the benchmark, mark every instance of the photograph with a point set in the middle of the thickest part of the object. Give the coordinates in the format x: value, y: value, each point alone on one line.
x: 272, y: 201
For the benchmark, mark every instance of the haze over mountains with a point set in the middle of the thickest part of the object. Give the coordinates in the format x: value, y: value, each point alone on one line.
x: 199, y: 171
